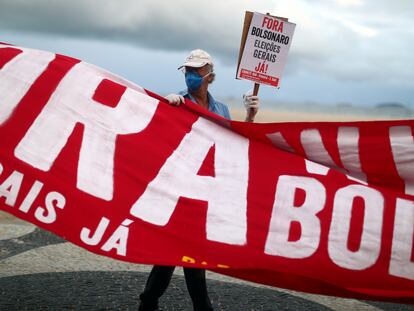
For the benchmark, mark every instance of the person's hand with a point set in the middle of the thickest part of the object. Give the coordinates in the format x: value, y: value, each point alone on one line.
x: 252, y: 103
x: 175, y: 99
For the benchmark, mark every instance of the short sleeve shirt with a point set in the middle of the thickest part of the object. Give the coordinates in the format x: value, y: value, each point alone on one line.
x: 213, y: 105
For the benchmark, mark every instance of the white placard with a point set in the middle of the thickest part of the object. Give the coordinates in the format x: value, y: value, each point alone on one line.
x: 266, y: 49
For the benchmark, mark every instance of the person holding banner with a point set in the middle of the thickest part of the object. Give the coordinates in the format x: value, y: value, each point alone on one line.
x: 198, y: 69
x: 199, y: 73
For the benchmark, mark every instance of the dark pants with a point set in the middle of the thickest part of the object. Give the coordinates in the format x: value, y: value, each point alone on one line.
x: 159, y: 279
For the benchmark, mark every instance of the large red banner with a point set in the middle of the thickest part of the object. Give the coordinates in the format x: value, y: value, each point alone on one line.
x: 319, y: 207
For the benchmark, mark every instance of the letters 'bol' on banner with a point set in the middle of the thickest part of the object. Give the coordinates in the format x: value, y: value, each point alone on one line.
x: 264, y: 48
x: 319, y: 207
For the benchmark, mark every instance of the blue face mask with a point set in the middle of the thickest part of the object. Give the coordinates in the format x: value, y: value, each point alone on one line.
x: 193, y: 80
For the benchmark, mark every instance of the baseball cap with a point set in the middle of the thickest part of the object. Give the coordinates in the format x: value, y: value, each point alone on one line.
x: 197, y: 58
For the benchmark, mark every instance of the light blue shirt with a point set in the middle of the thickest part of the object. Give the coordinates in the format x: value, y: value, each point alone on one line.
x: 213, y: 105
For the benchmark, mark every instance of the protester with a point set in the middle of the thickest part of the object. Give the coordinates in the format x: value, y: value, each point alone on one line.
x: 199, y: 74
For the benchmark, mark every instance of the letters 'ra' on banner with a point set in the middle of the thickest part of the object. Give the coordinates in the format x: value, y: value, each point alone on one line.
x: 319, y: 207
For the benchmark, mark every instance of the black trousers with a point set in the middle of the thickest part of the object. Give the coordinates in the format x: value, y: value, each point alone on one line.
x: 159, y: 279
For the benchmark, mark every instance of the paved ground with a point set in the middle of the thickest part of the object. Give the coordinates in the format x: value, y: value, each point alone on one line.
x: 39, y: 271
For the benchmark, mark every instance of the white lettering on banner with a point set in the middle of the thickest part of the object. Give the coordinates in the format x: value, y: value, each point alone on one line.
x: 31, y: 196
x: 279, y: 141
x: 47, y: 214
x: 370, y: 245
x: 348, y: 140
x: 118, y: 240
x: 10, y: 189
x: 285, y: 212
x: 401, y: 264
x: 348, y: 145
x: 314, y: 149
x: 18, y: 75
x: 226, y: 195
x: 316, y: 168
x: 402, y: 145
x: 94, y: 239
x: 72, y: 103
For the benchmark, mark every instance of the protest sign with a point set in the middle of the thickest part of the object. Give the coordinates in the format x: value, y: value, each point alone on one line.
x: 264, y: 48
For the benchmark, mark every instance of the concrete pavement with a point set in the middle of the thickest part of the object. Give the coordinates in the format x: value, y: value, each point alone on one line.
x: 40, y: 271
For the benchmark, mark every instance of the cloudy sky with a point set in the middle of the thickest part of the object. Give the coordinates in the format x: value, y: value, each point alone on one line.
x: 343, y: 51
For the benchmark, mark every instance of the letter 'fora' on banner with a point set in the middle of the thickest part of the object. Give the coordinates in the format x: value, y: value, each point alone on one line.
x: 64, y: 110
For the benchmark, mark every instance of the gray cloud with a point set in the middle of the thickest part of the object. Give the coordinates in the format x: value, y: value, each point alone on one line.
x: 354, y: 40
x: 346, y: 39
x: 179, y: 25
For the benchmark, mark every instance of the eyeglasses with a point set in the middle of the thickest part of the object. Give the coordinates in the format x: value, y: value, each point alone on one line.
x: 188, y: 69
x: 184, y: 70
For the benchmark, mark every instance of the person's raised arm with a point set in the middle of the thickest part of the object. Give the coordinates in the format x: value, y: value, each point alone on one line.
x: 251, y: 103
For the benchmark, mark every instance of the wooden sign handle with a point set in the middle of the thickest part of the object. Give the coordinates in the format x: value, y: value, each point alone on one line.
x: 256, y: 89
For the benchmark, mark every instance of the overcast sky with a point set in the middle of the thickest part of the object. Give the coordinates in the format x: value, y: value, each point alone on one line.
x: 354, y: 51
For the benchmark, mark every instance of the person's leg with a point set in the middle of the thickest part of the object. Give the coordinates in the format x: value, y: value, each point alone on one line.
x: 197, y: 287
x: 156, y: 285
